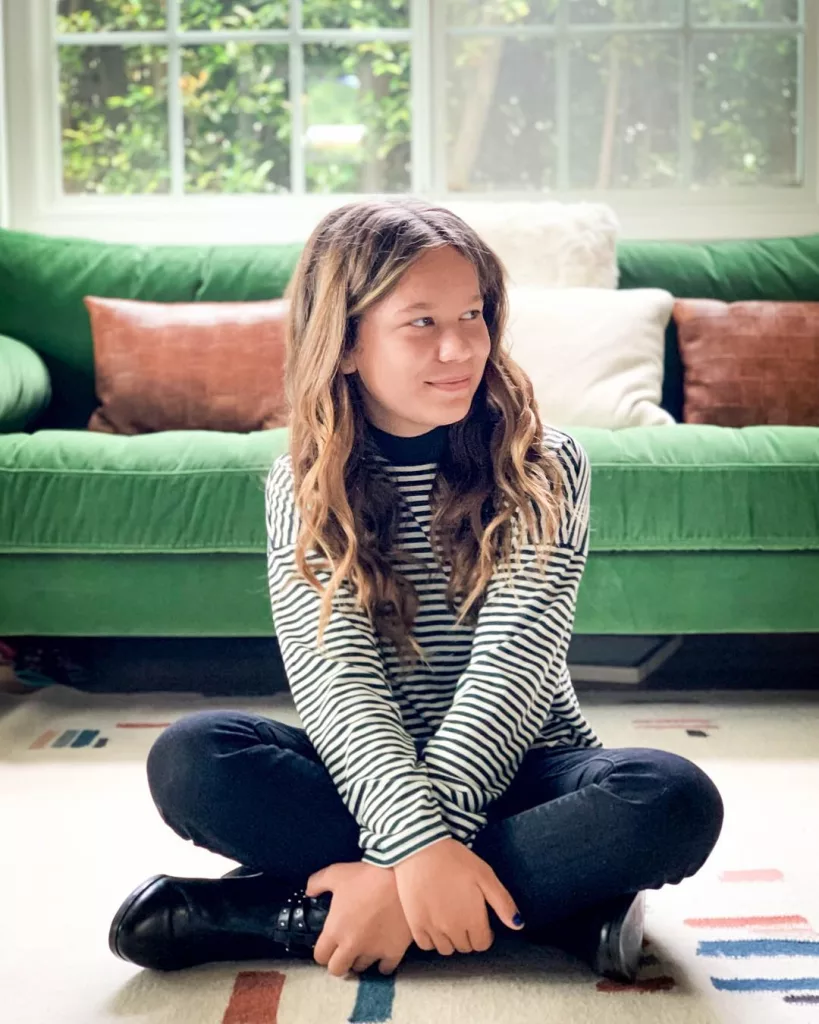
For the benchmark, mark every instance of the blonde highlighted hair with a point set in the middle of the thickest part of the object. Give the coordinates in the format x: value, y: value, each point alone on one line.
x: 494, y: 470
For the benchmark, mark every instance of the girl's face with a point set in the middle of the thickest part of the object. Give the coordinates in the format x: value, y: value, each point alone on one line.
x: 429, y: 329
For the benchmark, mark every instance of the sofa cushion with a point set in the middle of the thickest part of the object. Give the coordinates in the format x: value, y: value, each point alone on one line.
x: 25, y: 387
x: 749, y: 362
x: 594, y: 355
x: 188, y: 365
x: 682, y: 487
x: 548, y: 243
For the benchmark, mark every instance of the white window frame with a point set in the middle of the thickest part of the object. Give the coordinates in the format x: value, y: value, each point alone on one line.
x: 35, y: 202
x: 5, y: 205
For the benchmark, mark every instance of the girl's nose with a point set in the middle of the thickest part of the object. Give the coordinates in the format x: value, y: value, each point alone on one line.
x: 453, y: 345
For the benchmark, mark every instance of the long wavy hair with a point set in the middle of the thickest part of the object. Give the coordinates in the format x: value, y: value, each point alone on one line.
x: 496, y: 489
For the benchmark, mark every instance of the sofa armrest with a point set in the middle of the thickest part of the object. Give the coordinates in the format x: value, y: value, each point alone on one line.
x: 25, y: 385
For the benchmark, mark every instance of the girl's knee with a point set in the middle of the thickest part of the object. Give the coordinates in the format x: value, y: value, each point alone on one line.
x: 681, y: 813
x: 182, y: 757
x: 678, y: 797
x: 694, y: 802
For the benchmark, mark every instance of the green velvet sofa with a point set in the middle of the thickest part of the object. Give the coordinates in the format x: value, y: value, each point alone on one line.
x: 695, y: 529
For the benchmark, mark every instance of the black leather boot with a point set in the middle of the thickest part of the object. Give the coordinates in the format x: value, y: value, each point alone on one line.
x: 168, y: 923
x: 620, y: 942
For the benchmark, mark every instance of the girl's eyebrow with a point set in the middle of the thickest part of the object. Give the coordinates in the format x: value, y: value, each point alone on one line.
x: 429, y: 305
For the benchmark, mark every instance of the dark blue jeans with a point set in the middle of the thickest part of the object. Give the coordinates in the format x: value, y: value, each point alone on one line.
x: 575, y: 828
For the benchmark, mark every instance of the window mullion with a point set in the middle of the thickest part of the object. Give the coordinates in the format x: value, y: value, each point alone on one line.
x: 686, y: 103
x: 562, y: 94
x: 801, y: 124
x: 438, y: 37
x: 421, y: 85
x: 176, y: 110
x: 295, y: 63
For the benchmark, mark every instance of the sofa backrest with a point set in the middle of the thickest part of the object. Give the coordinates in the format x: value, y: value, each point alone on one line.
x: 43, y: 280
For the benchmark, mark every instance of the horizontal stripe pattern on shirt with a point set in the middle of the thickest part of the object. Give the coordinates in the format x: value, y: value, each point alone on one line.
x: 418, y: 754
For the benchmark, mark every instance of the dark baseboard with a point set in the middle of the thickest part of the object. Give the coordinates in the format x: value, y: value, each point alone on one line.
x: 252, y: 666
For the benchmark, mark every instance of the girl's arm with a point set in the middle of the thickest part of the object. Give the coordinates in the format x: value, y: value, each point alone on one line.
x: 517, y: 666
x: 344, y: 701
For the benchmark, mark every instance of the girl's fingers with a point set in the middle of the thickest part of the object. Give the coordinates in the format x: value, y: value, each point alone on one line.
x: 423, y: 940
x: 475, y: 941
x: 443, y: 944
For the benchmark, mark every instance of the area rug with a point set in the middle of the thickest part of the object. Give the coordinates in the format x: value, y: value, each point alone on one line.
x: 735, y: 943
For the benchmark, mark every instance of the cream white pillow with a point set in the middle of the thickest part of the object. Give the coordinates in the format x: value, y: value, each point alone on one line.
x: 548, y: 243
x: 594, y: 355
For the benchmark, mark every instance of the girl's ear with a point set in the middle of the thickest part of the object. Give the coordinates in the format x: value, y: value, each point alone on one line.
x: 347, y: 363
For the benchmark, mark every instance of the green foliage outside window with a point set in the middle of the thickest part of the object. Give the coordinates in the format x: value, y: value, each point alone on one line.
x: 502, y: 129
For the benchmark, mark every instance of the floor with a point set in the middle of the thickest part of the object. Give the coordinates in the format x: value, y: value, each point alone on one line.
x: 738, y: 943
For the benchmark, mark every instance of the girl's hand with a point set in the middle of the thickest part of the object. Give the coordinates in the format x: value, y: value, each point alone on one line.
x: 444, y: 890
x: 365, y: 922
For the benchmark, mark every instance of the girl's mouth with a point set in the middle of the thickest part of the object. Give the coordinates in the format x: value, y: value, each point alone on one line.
x: 456, y: 385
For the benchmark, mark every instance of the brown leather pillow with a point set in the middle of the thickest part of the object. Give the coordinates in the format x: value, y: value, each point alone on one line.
x: 749, y: 363
x: 188, y: 365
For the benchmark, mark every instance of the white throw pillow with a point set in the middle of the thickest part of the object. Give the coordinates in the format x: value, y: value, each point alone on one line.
x: 595, y: 356
x: 553, y: 244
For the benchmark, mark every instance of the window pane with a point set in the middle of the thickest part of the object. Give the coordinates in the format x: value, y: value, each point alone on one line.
x: 114, y: 119
x: 610, y: 11
x: 355, y: 13
x: 109, y: 15
x: 237, y: 118
x: 357, y: 117
x: 500, y: 114
x: 745, y: 10
x: 471, y: 14
x: 624, y: 111
x: 233, y: 14
x: 745, y: 109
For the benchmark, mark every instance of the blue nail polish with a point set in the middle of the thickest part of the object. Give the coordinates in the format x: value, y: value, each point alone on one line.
x: 517, y: 920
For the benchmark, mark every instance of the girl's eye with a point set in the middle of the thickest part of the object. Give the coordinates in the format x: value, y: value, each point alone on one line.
x: 477, y: 312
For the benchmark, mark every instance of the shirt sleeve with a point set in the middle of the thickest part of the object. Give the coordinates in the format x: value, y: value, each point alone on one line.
x: 344, y: 700
x: 517, y: 665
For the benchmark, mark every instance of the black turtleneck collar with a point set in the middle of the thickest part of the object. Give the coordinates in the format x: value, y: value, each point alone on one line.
x: 410, y: 451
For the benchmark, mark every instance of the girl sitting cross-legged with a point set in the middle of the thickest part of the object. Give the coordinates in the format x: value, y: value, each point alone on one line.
x: 426, y: 538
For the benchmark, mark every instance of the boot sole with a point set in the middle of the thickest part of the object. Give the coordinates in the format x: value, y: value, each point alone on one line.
x: 119, y: 917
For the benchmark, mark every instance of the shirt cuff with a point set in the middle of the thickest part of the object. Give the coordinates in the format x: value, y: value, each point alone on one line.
x: 399, y: 848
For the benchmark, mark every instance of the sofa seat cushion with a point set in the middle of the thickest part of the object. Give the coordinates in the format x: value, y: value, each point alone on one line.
x: 700, y: 487
x: 183, y: 491
x: 682, y: 487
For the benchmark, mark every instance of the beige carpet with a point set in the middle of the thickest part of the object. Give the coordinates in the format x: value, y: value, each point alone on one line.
x: 736, y: 943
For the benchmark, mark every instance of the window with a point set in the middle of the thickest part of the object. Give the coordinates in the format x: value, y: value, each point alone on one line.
x: 198, y: 95
x: 692, y: 118
x: 601, y: 94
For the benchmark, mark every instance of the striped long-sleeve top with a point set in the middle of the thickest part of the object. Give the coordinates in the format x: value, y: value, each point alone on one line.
x: 418, y: 759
